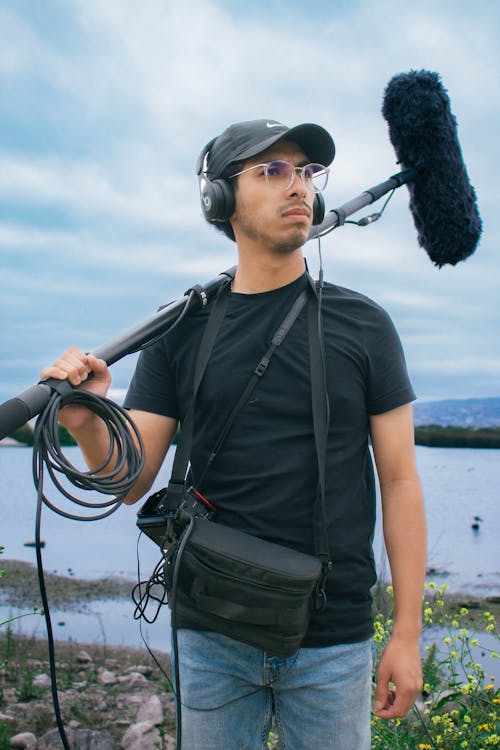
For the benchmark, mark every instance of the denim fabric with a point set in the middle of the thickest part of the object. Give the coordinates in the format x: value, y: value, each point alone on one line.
x: 319, y: 698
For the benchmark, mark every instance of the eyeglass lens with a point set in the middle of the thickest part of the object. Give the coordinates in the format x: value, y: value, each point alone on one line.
x: 280, y: 174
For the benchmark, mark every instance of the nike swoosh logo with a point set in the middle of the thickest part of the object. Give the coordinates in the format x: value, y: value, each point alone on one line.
x: 273, y: 125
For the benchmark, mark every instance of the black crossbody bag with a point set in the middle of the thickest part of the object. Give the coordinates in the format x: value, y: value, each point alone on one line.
x: 222, y: 579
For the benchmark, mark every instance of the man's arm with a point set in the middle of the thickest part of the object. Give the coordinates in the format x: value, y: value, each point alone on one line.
x: 89, y: 430
x: 405, y: 539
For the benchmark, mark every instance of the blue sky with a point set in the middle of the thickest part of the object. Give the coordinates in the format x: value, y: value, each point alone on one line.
x: 105, y: 105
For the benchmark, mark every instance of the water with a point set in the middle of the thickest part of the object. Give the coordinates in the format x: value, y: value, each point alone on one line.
x: 459, y: 484
x: 91, y: 550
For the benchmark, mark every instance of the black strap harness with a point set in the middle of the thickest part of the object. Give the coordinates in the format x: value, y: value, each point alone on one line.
x: 320, y: 410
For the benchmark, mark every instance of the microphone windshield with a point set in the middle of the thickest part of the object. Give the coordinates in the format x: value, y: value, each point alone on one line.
x: 423, y: 131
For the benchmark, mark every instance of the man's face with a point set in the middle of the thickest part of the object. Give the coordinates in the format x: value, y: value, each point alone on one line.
x: 278, y: 220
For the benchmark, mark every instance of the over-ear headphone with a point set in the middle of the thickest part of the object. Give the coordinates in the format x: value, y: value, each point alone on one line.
x: 217, y: 196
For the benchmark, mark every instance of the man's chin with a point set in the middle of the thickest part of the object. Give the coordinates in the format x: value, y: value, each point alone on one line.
x: 292, y: 240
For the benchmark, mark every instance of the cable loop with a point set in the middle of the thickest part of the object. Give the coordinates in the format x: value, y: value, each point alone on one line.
x: 126, y: 450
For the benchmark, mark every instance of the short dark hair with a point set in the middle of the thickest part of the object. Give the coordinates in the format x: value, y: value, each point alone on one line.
x: 225, y: 226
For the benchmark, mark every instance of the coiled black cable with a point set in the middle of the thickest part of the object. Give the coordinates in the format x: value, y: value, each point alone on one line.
x: 125, y: 457
x: 125, y: 454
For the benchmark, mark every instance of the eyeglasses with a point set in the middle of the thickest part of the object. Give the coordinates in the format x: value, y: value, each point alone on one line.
x: 281, y: 174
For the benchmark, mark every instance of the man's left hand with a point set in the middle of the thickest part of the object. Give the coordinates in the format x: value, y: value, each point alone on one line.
x: 399, y: 678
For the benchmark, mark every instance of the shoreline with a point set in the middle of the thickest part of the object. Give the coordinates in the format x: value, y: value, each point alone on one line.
x: 429, y: 435
x: 19, y: 588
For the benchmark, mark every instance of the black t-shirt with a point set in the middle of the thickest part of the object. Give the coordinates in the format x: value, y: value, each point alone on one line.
x: 264, y: 479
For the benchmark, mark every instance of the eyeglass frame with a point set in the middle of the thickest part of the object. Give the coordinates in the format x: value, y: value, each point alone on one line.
x: 295, y: 170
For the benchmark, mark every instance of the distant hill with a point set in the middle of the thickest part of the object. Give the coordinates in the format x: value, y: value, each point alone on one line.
x: 467, y: 412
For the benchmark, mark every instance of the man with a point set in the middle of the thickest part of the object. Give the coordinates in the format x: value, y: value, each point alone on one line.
x: 259, y: 183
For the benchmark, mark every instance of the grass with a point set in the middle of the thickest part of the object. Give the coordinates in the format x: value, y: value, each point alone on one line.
x: 461, y: 703
x: 84, y: 699
x: 460, y: 706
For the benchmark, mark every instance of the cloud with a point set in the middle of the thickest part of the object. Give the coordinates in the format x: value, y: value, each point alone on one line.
x: 107, y: 109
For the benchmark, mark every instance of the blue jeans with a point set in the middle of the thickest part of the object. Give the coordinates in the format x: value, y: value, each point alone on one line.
x: 320, y: 698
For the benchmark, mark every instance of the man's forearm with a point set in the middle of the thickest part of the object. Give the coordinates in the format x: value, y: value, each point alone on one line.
x: 405, y: 539
x: 94, y: 442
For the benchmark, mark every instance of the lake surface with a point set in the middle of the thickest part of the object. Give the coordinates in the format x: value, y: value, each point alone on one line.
x: 459, y: 484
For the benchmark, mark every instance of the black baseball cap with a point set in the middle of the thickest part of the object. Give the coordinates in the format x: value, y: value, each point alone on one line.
x: 246, y: 139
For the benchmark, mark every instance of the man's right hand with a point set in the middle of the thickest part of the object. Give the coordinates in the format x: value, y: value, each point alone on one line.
x: 76, y: 366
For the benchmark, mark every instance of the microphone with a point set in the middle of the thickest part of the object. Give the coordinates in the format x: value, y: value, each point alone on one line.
x: 423, y: 131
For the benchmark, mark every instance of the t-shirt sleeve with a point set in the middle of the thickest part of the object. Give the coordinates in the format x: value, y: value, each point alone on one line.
x: 152, y: 387
x: 389, y: 384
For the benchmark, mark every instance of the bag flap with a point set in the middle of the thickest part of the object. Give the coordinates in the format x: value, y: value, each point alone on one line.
x: 237, y: 545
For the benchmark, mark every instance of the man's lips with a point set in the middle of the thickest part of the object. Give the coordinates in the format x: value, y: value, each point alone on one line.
x: 297, y: 210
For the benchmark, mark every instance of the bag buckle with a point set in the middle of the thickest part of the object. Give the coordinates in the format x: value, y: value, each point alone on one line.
x: 319, y: 595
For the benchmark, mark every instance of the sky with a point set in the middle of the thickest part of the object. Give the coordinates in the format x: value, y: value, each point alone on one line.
x: 106, y: 104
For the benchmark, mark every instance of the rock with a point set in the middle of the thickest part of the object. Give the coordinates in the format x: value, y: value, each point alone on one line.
x: 105, y: 677
x: 145, y: 736
x: 151, y: 711
x: 141, y: 736
x: 132, y: 701
x: 41, y: 681
x: 24, y: 739
x: 79, y: 739
x: 134, y: 679
x: 83, y: 657
x: 146, y: 671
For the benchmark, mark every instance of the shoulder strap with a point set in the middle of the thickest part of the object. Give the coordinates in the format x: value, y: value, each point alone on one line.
x: 259, y: 371
x: 183, y: 450
x: 320, y: 408
x: 321, y: 422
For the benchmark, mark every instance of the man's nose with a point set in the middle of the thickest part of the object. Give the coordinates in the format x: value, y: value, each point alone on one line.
x: 298, y: 186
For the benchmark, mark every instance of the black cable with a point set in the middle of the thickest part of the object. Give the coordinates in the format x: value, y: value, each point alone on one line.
x: 48, y: 454
x: 117, y: 481
x: 371, y: 218
x: 173, y: 622
x: 145, y: 591
x: 48, y: 626
x: 187, y: 305
x: 141, y: 606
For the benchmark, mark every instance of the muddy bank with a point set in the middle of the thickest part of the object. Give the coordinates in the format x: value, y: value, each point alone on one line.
x: 19, y: 587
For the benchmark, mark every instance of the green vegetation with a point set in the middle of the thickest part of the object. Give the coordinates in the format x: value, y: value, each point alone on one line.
x: 5, y: 585
x: 26, y: 689
x: 24, y: 435
x: 460, y: 706
x: 437, y: 436
x: 433, y: 435
x: 83, y: 696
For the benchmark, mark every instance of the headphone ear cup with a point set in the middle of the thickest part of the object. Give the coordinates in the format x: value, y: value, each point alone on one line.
x: 318, y: 209
x: 217, y: 199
